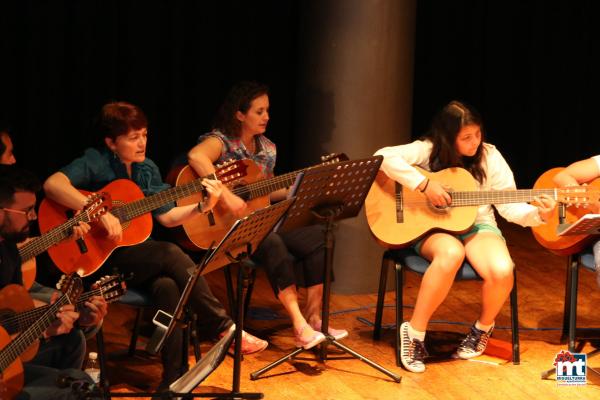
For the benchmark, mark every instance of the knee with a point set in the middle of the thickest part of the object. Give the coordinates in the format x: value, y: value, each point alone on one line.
x: 501, y: 271
x: 171, y: 251
x: 166, y: 292
x: 450, y: 259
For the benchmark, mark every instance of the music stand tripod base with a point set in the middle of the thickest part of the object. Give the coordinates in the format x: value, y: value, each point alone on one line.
x: 326, y: 194
x: 238, y: 244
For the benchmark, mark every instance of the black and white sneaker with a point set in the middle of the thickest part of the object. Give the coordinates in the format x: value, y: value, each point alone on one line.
x: 412, y: 351
x: 474, y: 344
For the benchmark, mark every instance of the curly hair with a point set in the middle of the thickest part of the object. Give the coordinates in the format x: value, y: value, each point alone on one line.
x: 118, y: 118
x: 239, y: 98
x: 444, y: 129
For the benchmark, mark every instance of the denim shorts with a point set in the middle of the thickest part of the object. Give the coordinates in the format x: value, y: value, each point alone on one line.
x: 474, y: 229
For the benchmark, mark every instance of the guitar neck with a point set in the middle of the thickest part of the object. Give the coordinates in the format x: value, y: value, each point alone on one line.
x: 476, y: 198
x: 136, y: 208
x: 266, y: 186
x: 21, y: 321
x: 17, y: 346
x: 55, y: 235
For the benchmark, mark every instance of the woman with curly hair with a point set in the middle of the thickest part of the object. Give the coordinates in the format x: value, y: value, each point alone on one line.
x: 290, y: 259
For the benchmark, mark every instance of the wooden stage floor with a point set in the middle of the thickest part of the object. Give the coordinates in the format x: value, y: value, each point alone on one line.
x: 541, y: 284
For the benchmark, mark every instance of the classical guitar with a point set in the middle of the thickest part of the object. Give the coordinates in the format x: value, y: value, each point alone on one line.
x: 98, y: 205
x: 17, y: 312
x: 576, y: 207
x: 11, y: 368
x: 130, y: 207
x: 398, y: 216
x: 199, y: 232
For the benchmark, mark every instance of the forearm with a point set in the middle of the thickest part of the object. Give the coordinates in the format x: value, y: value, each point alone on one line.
x: 178, y: 215
x: 58, y: 187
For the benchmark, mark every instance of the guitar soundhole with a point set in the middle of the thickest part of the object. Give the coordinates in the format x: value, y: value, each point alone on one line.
x: 116, y: 204
x: 439, y: 209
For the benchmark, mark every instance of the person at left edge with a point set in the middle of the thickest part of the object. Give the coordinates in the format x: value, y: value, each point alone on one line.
x: 62, y: 350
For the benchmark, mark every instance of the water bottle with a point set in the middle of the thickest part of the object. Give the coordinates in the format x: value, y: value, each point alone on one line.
x: 92, y: 367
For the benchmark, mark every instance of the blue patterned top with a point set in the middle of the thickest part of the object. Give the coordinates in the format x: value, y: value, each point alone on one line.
x: 97, y: 168
x: 234, y: 148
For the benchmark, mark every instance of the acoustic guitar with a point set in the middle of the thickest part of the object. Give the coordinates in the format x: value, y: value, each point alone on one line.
x: 547, y: 234
x: 133, y: 210
x: 11, y: 368
x: 98, y: 205
x: 398, y: 216
x: 17, y: 312
x: 200, y: 231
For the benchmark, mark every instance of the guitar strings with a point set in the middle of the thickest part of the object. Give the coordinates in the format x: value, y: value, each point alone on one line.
x: 24, y: 318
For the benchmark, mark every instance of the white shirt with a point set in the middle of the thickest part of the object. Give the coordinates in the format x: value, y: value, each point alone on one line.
x: 597, y: 159
x: 398, y: 164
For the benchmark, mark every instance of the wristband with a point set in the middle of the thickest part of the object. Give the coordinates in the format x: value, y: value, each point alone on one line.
x: 425, y: 187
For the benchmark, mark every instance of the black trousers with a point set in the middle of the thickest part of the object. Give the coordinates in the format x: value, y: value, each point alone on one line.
x: 161, y: 268
x: 60, y: 356
x: 293, y: 258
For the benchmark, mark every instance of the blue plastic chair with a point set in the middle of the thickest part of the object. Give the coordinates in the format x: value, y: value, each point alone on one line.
x: 584, y: 259
x: 408, y: 260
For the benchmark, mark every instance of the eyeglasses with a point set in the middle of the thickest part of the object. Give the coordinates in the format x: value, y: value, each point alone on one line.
x: 29, y: 213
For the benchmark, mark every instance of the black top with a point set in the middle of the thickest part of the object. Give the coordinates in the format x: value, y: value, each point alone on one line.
x: 10, y: 264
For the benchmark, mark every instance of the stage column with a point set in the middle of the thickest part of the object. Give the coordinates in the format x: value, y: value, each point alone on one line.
x: 354, y: 96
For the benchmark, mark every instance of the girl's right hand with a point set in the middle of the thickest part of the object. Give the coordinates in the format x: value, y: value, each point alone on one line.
x: 437, y: 194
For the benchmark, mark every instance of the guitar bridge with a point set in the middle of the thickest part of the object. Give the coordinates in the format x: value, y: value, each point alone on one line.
x: 399, y: 204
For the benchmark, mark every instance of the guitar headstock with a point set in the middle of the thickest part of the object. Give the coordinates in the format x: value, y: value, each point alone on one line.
x: 111, y: 287
x: 580, y: 196
x: 98, y: 204
x: 333, y: 158
x: 231, y: 170
x: 71, y: 286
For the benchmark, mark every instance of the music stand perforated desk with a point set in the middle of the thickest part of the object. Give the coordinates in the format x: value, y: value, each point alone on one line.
x: 326, y: 194
x: 238, y: 244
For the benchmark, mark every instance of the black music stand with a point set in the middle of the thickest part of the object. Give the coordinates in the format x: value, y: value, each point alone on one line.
x: 238, y: 244
x: 326, y: 194
x: 589, y: 224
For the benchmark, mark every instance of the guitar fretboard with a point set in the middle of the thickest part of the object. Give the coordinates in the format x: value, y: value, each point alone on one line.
x: 476, y: 198
x: 21, y: 321
x: 17, y: 346
x: 136, y: 208
x: 267, y: 186
x: 42, y: 243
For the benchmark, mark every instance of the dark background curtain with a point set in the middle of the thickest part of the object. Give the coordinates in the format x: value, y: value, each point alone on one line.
x: 528, y: 66
x: 61, y: 60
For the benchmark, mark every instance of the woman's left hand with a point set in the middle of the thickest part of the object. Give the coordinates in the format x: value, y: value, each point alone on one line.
x: 545, y: 205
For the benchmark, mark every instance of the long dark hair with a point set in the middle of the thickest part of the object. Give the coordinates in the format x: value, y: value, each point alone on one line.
x: 239, y: 98
x: 444, y: 129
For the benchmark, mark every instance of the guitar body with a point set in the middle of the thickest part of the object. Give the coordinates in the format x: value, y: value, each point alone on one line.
x: 398, y: 216
x: 67, y: 255
x: 15, y: 299
x: 11, y: 379
x: 199, y: 232
x: 546, y: 234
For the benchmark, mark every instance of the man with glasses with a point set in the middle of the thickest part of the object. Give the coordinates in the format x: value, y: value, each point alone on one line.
x: 62, y: 348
